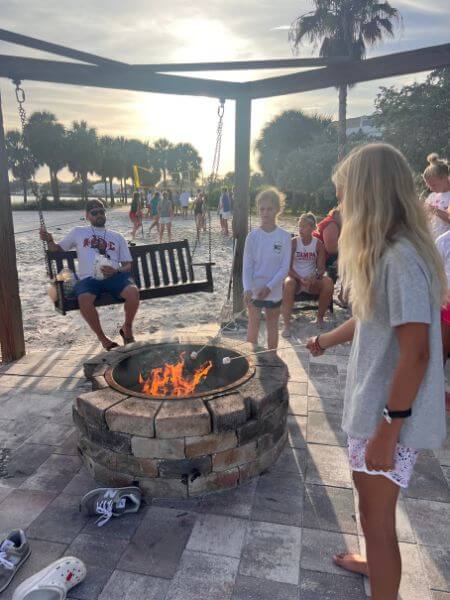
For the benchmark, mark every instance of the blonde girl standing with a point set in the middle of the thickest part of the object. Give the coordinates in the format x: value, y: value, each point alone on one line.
x: 267, y: 257
x: 436, y: 176
x: 394, y: 397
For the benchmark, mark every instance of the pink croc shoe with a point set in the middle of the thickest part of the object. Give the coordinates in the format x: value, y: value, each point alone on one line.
x: 53, y: 582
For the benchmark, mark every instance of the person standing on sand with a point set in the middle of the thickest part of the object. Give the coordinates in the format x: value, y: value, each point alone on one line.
x: 165, y: 215
x: 267, y: 255
x: 135, y: 213
x: 90, y: 242
x: 394, y: 396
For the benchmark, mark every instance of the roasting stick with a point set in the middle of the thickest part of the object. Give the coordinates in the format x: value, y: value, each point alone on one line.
x: 195, y: 354
x: 227, y: 359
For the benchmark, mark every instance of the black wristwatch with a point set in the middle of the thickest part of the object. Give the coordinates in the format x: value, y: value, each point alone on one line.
x: 389, y: 415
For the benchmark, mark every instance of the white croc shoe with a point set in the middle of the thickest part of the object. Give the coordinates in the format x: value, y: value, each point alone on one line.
x: 53, y: 582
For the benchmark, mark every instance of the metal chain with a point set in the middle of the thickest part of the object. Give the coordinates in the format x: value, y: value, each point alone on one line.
x: 214, y: 173
x: 20, y: 97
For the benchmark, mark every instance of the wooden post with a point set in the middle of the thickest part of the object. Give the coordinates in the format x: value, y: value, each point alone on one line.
x: 241, y: 193
x: 11, y: 327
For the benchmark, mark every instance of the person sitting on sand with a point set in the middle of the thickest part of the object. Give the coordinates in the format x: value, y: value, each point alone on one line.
x: 307, y: 272
x: 135, y: 213
x: 267, y: 255
x: 328, y: 232
x: 165, y: 215
x: 436, y: 176
x: 89, y: 242
x: 394, y: 395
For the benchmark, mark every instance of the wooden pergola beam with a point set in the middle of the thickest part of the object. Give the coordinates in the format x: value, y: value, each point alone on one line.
x: 114, y: 77
x: 390, y: 65
x: 281, y: 63
x: 30, y: 42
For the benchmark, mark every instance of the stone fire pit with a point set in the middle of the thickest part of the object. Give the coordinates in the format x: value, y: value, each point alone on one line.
x: 231, y: 430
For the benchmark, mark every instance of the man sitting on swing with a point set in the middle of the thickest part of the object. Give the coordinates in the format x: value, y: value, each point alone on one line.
x: 91, y: 243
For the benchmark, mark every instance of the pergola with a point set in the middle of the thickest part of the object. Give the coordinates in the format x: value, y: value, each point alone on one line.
x: 96, y: 71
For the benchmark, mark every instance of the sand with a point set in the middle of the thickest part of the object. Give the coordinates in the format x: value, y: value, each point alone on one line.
x: 45, y: 328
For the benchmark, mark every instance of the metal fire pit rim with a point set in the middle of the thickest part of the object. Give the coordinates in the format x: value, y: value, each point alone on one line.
x: 209, y: 393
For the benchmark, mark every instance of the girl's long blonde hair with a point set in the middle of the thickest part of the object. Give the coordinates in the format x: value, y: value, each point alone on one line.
x: 379, y: 205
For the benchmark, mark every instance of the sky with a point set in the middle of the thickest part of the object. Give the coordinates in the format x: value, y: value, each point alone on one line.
x: 150, y: 31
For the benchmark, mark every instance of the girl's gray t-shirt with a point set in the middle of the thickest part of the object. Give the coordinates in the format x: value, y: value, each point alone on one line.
x: 402, y: 295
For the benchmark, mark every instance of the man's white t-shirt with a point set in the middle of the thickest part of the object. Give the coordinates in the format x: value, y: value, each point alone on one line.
x: 267, y: 257
x: 83, y: 239
x: 184, y: 199
x: 441, y: 201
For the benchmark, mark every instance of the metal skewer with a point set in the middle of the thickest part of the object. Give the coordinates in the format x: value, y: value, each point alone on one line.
x: 195, y: 354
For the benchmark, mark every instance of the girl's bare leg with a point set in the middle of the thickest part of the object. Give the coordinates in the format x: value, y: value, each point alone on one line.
x: 254, y: 319
x: 272, y: 318
x: 161, y: 233
x: 377, y: 502
x: 169, y: 231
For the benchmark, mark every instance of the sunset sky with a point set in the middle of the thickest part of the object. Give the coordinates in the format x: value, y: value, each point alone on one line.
x: 146, y: 31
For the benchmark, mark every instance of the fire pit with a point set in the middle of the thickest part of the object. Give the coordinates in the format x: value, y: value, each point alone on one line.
x: 180, y: 424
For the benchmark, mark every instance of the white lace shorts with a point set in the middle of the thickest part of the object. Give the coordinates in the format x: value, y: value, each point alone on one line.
x: 405, y: 459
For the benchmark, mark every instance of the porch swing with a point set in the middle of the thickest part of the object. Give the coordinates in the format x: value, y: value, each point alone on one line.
x: 159, y: 270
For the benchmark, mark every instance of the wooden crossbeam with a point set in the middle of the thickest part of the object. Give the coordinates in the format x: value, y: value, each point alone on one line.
x: 30, y: 42
x: 401, y: 63
x: 114, y: 77
x: 280, y: 63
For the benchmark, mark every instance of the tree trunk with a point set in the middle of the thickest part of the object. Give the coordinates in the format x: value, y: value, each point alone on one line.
x: 54, y: 186
x: 126, y: 191
x: 84, y: 186
x: 106, y: 190
x: 342, y: 131
x: 121, y: 190
x: 25, y: 190
x: 111, y: 191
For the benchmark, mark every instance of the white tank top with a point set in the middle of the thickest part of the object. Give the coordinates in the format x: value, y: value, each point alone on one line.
x: 305, y: 258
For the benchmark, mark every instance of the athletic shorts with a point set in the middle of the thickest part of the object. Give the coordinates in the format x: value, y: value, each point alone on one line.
x: 165, y: 220
x: 266, y: 303
x: 113, y: 285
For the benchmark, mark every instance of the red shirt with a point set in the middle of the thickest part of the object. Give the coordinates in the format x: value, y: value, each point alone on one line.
x: 321, y: 228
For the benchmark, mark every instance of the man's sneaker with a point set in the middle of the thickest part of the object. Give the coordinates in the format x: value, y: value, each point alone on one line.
x: 111, y: 502
x: 53, y: 582
x: 14, y: 551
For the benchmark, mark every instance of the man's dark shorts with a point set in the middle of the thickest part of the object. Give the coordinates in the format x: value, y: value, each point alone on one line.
x: 113, y: 285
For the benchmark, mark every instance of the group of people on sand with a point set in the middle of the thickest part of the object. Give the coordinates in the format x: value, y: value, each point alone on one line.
x: 394, y: 276
x: 158, y: 207
x: 395, y: 280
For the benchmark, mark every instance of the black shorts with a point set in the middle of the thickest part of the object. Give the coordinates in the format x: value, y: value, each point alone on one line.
x: 266, y: 304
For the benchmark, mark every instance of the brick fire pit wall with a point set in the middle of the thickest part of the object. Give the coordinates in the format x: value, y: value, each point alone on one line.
x: 183, y: 448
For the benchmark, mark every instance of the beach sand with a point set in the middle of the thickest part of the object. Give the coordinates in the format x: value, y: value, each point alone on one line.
x: 45, y: 328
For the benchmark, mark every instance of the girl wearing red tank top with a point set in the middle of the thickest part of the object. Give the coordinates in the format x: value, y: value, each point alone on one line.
x: 306, y: 274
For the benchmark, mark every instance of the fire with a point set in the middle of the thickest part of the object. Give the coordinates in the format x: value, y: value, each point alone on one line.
x: 169, y: 380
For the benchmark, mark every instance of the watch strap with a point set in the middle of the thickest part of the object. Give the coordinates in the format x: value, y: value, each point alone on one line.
x: 397, y: 414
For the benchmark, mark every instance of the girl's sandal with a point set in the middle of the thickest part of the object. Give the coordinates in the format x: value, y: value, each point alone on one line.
x: 110, y: 346
x: 126, y: 339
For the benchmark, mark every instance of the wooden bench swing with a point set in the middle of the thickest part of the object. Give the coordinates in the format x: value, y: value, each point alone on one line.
x: 159, y: 270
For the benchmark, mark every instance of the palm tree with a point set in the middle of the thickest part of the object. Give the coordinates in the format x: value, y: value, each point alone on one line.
x: 184, y: 162
x: 344, y: 28
x: 46, y: 139
x: 161, y: 151
x: 21, y: 162
x: 110, y: 164
x: 82, y: 153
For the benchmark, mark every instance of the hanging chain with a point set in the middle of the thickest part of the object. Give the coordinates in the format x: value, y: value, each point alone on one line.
x: 20, y: 97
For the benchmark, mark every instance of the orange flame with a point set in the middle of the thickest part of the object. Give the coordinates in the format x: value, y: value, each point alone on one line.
x: 169, y: 380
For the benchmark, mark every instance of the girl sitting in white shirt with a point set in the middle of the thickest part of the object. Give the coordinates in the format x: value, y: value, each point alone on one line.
x: 307, y: 272
x: 267, y: 256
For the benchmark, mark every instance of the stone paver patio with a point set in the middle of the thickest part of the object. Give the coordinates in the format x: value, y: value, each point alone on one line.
x: 269, y: 540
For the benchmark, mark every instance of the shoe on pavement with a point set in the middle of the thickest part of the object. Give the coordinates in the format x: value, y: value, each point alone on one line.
x: 53, y: 582
x: 111, y: 502
x: 14, y: 551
